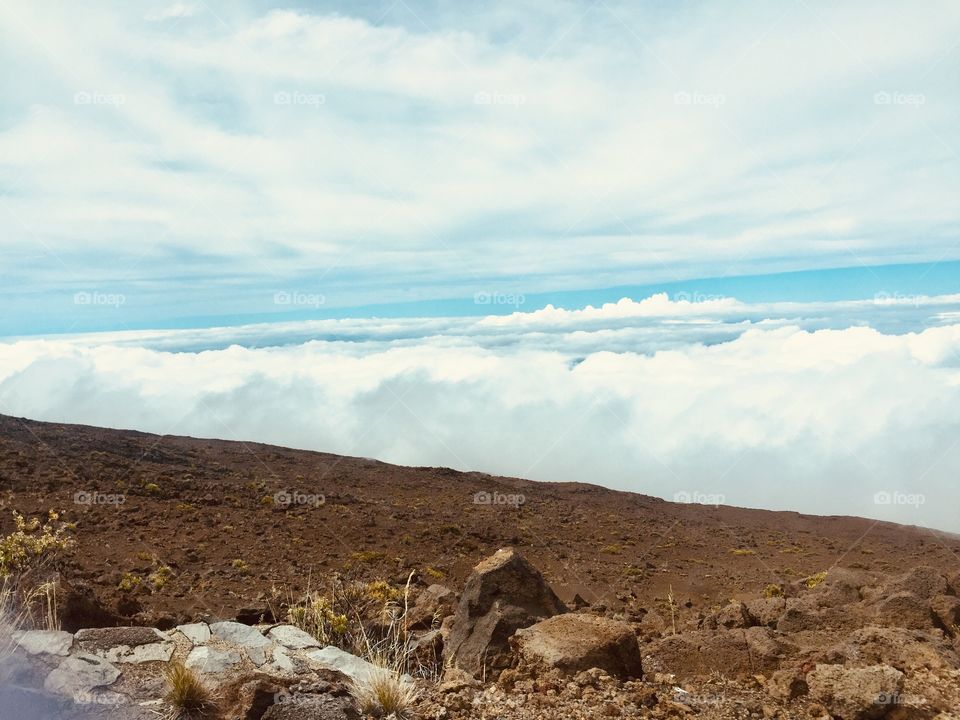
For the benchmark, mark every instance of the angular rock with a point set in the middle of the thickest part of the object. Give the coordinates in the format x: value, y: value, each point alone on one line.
x: 573, y: 643
x: 333, y: 658
x: 904, y: 609
x: 946, y: 612
x: 126, y: 644
x: 249, y: 638
x: 80, y: 674
x: 923, y: 581
x: 734, y: 615
x: 765, y: 611
x: 855, y: 693
x: 44, y: 642
x: 210, y: 660
x: 905, y: 650
x: 196, y: 633
x: 433, y: 604
x: 733, y: 653
x: 503, y: 594
x: 293, y: 637
x: 313, y: 707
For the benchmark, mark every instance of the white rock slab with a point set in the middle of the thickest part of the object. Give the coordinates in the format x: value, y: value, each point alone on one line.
x: 44, y: 642
x: 80, y: 674
x: 197, y: 633
x: 210, y: 660
x: 333, y: 658
x: 293, y: 637
x: 239, y: 634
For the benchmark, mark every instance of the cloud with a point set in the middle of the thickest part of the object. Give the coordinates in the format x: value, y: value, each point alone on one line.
x: 426, y: 149
x: 847, y: 420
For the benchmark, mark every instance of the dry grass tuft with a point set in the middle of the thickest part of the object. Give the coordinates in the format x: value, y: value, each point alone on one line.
x: 188, y: 694
x: 385, y: 693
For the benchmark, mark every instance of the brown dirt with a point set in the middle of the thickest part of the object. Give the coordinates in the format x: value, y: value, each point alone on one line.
x: 198, y: 506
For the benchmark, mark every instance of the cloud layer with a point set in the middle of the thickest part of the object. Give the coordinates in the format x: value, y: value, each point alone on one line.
x: 652, y: 396
x: 188, y: 153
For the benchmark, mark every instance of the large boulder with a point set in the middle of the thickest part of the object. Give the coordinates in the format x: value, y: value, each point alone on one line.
x: 572, y: 643
x: 855, y: 693
x: 906, y: 650
x: 904, y: 609
x: 503, y: 594
x: 733, y: 653
x: 125, y: 644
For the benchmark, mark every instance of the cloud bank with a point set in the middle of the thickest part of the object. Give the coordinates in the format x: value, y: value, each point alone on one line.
x: 722, y: 399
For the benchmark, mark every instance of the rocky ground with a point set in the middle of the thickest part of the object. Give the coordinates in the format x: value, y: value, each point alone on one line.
x: 609, y: 605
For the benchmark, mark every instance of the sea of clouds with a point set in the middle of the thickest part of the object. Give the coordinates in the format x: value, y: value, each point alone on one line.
x: 827, y: 408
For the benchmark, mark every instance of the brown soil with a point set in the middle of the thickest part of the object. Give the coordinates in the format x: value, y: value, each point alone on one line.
x: 204, y: 508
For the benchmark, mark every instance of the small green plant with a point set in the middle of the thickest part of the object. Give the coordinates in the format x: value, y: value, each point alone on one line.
x: 773, y: 591
x: 435, y: 574
x: 240, y: 566
x: 368, y: 556
x: 742, y: 551
x: 187, y: 692
x: 813, y: 580
x: 152, y: 488
x: 31, y: 544
x: 158, y: 578
x: 129, y: 582
x: 613, y: 549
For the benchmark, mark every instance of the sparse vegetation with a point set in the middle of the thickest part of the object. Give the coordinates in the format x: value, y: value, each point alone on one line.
x: 384, y: 694
x: 773, y: 591
x: 742, y: 551
x: 32, y: 544
x: 813, y: 580
x: 129, y: 582
x: 240, y: 566
x: 187, y: 693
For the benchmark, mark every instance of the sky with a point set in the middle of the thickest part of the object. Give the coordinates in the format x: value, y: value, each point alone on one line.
x: 689, y: 249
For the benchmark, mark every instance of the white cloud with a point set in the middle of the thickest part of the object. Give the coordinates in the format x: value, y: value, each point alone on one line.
x: 776, y: 416
x: 598, y: 173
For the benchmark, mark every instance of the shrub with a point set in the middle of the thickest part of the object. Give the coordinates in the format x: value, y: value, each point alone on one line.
x: 187, y: 693
x: 772, y: 591
x: 31, y: 544
x: 384, y: 693
x: 813, y: 580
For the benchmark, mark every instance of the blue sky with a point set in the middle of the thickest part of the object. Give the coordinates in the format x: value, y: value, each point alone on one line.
x: 197, y: 158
